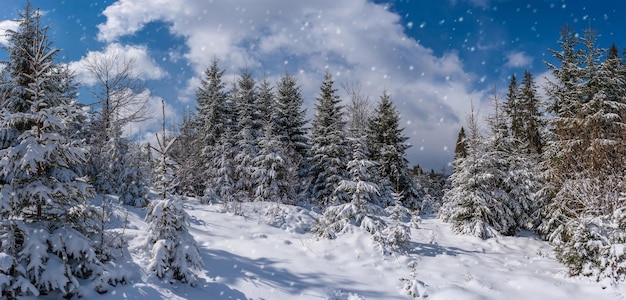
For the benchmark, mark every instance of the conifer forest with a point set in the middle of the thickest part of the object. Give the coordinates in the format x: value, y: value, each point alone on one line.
x: 89, y: 212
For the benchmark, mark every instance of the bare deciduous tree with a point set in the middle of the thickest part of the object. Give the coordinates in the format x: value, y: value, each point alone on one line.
x: 358, y: 109
x: 119, y: 93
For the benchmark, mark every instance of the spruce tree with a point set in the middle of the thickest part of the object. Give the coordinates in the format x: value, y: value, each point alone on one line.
x: 249, y: 131
x: 290, y: 122
x: 530, y: 117
x: 273, y: 171
x: 187, y: 151
x: 214, y: 115
x: 212, y: 101
x: 43, y: 198
x: 329, y: 150
x: 460, y: 150
x: 388, y: 147
x: 362, y: 209
x: 174, y: 250
x: 584, y: 159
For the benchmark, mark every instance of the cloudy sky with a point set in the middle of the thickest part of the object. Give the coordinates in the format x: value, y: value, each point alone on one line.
x: 433, y: 57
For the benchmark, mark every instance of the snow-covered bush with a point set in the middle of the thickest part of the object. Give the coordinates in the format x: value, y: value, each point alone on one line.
x: 40, y: 258
x: 593, y: 243
x: 398, y: 230
x: 362, y: 211
x: 174, y: 250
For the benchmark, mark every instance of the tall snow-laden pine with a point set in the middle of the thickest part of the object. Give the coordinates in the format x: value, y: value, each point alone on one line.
x: 530, y: 117
x: 212, y: 99
x: 274, y: 171
x: 329, y: 149
x: 362, y: 209
x: 388, y: 147
x: 42, y: 197
x: 249, y: 128
x: 493, y: 187
x: 214, y: 116
x: 583, y: 215
x: 476, y: 205
x: 290, y: 122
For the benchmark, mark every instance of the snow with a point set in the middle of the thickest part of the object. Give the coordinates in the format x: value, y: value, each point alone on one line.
x: 246, y: 258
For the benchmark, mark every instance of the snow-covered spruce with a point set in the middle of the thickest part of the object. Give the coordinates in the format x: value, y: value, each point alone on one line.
x: 44, y: 247
x: 174, y: 250
x: 387, y: 148
x: 274, y: 172
x: 492, y: 187
x: 329, y: 149
x: 362, y: 210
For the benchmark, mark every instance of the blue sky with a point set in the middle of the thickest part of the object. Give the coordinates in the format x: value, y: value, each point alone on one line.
x: 434, y: 57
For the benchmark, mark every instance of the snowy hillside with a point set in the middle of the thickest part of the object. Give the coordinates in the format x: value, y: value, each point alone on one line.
x: 259, y: 257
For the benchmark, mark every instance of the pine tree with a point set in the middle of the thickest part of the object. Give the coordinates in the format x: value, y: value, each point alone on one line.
x: 174, y: 252
x: 273, y: 171
x: 266, y: 104
x: 215, y: 114
x: 290, y: 122
x: 224, y: 170
x: 165, y: 181
x: 187, y: 151
x: 133, y: 189
x: 361, y: 210
x: 329, y: 151
x: 512, y: 107
x: 460, y: 150
x: 388, y: 147
x: 529, y: 116
x: 477, y: 204
x: 212, y: 104
x: 164, y: 173
x: 42, y: 197
x: 584, y: 160
x: 249, y: 130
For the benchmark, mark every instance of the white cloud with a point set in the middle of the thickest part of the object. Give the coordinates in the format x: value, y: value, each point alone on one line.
x: 358, y: 41
x: 145, y: 67
x: 4, y: 26
x: 518, y: 60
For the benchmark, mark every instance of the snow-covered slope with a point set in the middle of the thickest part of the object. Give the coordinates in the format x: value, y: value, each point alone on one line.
x: 256, y: 256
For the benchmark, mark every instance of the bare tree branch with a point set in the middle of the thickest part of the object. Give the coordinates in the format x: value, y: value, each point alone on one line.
x: 120, y: 95
x: 359, y: 109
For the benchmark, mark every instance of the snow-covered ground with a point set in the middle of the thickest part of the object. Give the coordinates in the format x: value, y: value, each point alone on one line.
x: 255, y: 256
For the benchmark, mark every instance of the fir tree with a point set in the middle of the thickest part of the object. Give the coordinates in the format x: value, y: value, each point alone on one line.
x: 133, y: 189
x: 174, y: 251
x: 361, y: 210
x: 290, y: 122
x: 460, y: 150
x: 187, y: 151
x: 581, y: 211
x: 388, y: 147
x: 529, y: 116
x: 212, y: 99
x: 329, y: 151
x: 42, y: 197
x: 215, y: 113
x: 477, y: 204
x: 273, y: 171
x: 249, y: 130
